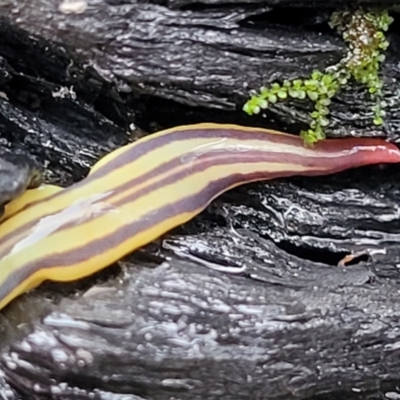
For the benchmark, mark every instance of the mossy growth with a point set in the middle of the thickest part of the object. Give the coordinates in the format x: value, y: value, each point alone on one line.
x: 364, y: 35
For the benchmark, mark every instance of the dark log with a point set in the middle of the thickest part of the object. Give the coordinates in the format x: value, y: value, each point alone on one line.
x: 279, y: 319
x: 205, y: 58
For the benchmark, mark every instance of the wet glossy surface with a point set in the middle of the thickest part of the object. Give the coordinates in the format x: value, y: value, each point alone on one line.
x: 77, y: 231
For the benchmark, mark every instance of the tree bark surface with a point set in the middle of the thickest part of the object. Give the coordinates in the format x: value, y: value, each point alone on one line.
x: 279, y: 320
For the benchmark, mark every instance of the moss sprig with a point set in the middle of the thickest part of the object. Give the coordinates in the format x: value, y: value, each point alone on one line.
x: 365, y: 39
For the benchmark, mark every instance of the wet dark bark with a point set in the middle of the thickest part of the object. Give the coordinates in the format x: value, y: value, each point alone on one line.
x: 125, y: 58
x: 163, y: 324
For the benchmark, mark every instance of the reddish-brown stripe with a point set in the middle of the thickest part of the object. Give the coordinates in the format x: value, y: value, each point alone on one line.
x: 140, y: 149
x: 190, y: 204
x: 205, y: 160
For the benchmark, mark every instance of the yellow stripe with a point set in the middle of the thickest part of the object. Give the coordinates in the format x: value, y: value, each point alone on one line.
x: 189, y: 150
x: 188, y: 143
x: 32, y: 247
x: 30, y: 196
x: 69, y: 224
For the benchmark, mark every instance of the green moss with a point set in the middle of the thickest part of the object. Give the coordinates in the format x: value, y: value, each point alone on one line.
x: 364, y: 35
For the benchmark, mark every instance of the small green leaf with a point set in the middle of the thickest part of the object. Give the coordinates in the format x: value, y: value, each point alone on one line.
x: 376, y: 108
x: 325, y: 102
x: 286, y: 83
x: 308, y: 137
x: 327, y: 80
x: 297, y: 83
x: 319, y: 107
x: 316, y: 75
x: 282, y: 94
x: 312, y: 95
x: 248, y: 109
x: 315, y: 114
x: 381, y: 58
x: 323, y: 89
x: 331, y: 93
x: 301, y: 94
x: 384, y: 45
x: 323, y: 110
x: 323, y: 121
x: 275, y: 86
